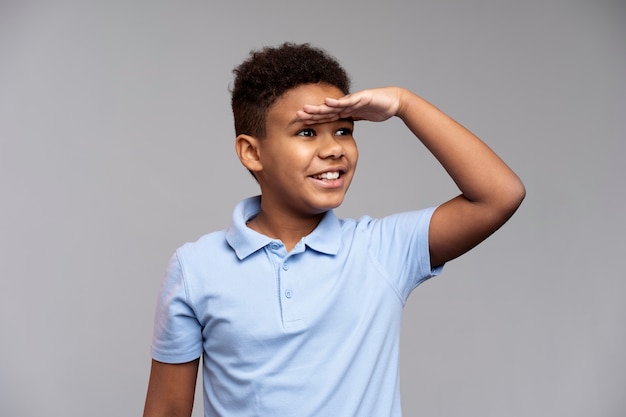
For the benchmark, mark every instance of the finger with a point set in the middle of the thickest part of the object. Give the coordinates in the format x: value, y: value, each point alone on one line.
x: 320, y: 121
x: 318, y: 108
x: 308, y: 118
x: 345, y: 101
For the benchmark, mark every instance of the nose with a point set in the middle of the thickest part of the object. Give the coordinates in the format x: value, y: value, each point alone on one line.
x: 330, y: 147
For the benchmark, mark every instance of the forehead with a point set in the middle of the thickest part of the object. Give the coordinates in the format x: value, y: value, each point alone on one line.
x: 284, y: 109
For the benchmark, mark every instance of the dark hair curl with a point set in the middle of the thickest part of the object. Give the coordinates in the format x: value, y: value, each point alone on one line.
x: 268, y: 73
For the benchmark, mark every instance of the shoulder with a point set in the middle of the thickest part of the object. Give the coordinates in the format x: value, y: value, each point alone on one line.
x: 406, y: 221
x: 214, y: 242
x: 389, y: 233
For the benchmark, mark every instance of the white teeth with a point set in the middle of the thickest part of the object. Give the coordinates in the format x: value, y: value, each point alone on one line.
x: 329, y: 175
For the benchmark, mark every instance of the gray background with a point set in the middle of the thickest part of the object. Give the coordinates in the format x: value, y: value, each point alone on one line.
x: 117, y: 147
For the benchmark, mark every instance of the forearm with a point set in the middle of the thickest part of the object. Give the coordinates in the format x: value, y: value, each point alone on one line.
x: 480, y: 174
x: 171, y: 389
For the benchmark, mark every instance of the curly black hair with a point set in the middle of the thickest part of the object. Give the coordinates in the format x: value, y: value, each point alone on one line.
x: 268, y: 73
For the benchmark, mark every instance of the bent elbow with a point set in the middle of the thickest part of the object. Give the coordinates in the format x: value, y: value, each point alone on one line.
x: 515, y: 194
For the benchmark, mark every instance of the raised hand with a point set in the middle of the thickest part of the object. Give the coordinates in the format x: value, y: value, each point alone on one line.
x: 375, y: 105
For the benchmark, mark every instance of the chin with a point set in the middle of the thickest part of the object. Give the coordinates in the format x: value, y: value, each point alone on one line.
x: 330, y: 204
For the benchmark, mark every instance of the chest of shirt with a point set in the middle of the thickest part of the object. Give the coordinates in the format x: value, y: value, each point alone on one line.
x: 252, y: 309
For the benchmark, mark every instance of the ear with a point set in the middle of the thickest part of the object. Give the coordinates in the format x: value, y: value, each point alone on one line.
x: 247, y: 148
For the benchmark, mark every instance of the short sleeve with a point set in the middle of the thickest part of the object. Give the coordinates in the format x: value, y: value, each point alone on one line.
x: 177, y: 334
x: 400, y: 244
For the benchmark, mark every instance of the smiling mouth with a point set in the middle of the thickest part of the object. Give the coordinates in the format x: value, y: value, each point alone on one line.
x: 329, y: 176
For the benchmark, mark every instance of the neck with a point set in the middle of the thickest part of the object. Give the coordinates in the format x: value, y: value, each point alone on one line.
x: 290, y: 230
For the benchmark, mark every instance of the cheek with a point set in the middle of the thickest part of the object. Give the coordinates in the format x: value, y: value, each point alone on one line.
x: 293, y: 159
x: 300, y: 156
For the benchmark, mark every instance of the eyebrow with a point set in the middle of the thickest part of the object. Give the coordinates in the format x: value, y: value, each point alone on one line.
x: 294, y: 121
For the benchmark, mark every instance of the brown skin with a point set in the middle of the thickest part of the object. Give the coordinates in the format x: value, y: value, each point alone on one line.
x: 171, y: 389
x: 293, y: 201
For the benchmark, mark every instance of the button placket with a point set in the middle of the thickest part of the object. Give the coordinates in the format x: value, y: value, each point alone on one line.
x: 288, y: 292
x: 292, y: 316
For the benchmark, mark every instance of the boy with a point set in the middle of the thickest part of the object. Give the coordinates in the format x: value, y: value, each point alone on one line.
x: 294, y: 311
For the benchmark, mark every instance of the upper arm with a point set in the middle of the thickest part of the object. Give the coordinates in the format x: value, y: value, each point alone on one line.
x: 460, y: 224
x: 171, y: 389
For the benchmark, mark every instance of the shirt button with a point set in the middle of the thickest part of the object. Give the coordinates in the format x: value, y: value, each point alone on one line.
x: 288, y: 293
x: 285, y: 266
x: 274, y: 246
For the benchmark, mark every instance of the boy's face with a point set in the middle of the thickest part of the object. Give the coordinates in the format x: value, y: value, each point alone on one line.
x: 305, y: 169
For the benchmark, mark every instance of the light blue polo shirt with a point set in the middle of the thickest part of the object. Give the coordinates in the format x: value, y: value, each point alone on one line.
x: 312, y: 332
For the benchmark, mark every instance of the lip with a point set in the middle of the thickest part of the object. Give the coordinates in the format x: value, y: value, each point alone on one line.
x: 341, y: 169
x: 330, y: 184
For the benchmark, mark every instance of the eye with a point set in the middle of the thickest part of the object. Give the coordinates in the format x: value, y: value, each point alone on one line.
x: 307, y: 133
x: 344, y: 131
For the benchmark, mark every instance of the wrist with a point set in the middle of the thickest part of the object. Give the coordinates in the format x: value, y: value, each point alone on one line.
x: 406, y: 102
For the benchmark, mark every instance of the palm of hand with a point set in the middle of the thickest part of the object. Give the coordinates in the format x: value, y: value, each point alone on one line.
x: 375, y: 105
